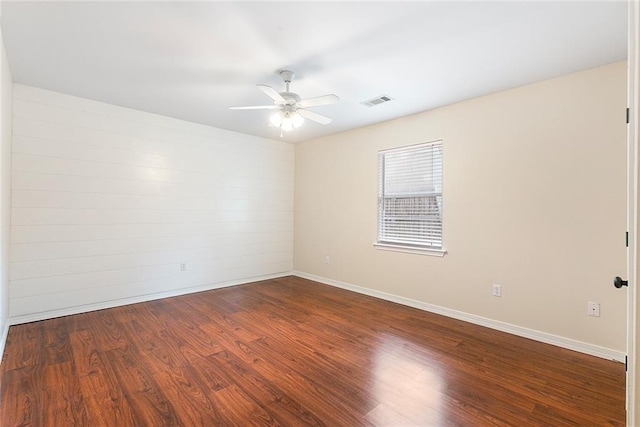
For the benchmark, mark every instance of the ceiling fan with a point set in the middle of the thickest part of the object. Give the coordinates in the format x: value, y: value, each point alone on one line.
x: 291, y: 109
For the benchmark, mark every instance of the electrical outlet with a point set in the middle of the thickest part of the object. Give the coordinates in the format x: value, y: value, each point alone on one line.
x: 496, y: 290
x: 593, y: 309
x: 327, y: 259
x: 183, y: 266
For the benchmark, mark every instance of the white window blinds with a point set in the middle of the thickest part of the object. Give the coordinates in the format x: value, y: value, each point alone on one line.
x: 410, y: 196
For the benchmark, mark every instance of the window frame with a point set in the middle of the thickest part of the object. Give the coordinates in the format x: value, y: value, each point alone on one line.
x: 398, y: 246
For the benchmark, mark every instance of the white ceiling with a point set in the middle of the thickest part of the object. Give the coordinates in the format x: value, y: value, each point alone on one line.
x: 192, y: 60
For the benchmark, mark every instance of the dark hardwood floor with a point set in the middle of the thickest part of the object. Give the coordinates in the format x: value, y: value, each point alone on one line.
x: 294, y: 352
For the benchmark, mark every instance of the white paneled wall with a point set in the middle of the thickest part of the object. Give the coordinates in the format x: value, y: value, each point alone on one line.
x: 107, y: 202
x: 6, y: 86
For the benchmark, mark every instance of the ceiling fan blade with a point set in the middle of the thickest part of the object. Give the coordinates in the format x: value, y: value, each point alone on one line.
x: 271, y: 93
x: 320, y: 100
x: 314, y: 116
x: 256, y: 107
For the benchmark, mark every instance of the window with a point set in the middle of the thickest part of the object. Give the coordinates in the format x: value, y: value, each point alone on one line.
x: 410, y: 198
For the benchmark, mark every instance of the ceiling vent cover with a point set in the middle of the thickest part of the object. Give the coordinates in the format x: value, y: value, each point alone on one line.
x: 377, y: 100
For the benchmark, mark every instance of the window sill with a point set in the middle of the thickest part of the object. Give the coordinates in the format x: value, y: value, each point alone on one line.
x: 410, y: 249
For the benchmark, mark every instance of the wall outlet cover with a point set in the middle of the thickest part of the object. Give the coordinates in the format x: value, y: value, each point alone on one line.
x: 496, y: 290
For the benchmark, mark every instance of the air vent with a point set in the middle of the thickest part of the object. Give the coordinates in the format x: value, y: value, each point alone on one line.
x: 377, y: 100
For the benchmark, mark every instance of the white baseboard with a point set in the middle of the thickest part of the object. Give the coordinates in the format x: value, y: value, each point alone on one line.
x: 67, y: 311
x: 3, y: 340
x: 582, y: 347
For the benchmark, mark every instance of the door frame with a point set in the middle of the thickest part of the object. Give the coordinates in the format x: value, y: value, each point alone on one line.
x: 633, y: 188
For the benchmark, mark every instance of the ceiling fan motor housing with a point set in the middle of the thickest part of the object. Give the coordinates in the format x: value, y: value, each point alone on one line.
x: 290, y: 98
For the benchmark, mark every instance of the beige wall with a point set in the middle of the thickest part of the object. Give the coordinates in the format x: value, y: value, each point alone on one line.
x: 534, y: 200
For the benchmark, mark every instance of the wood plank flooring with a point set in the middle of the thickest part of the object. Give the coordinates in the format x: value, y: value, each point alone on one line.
x: 294, y: 352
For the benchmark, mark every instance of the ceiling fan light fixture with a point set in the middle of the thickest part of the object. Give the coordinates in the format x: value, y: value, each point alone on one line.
x: 297, y: 119
x: 287, y: 123
x: 276, y: 119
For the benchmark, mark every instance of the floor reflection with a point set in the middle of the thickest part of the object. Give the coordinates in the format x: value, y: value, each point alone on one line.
x: 407, y: 383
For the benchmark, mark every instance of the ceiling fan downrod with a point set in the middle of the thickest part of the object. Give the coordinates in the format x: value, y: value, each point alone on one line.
x: 287, y: 76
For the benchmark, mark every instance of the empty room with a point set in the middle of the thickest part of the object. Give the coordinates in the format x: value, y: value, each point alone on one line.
x: 293, y: 213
